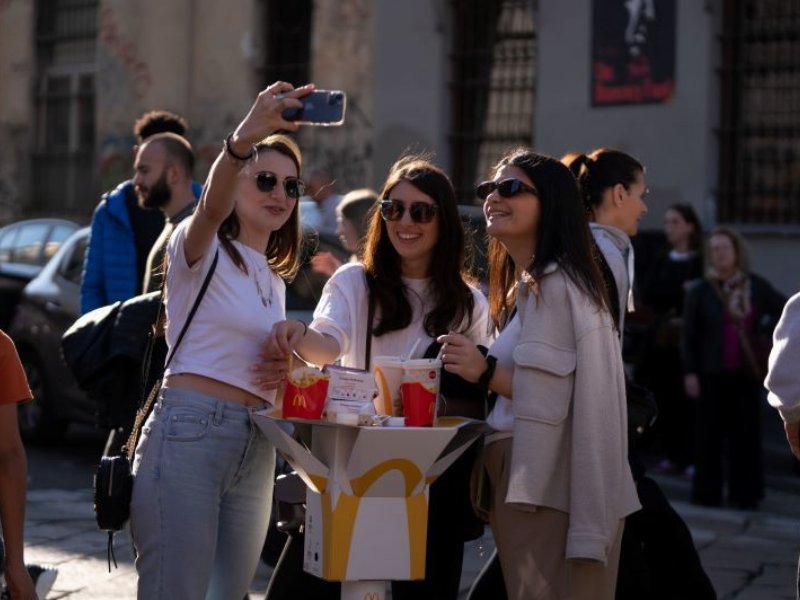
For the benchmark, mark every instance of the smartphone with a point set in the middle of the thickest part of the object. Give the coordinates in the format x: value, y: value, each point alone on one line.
x: 321, y: 107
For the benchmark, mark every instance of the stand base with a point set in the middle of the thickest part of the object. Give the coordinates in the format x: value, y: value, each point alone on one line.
x: 363, y: 590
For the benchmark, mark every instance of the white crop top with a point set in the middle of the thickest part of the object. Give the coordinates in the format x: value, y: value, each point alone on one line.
x: 234, y: 317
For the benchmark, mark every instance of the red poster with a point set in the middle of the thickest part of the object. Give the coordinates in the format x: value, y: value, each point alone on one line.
x: 633, y: 51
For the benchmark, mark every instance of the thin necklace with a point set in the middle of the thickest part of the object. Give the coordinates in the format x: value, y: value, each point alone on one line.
x: 266, y: 301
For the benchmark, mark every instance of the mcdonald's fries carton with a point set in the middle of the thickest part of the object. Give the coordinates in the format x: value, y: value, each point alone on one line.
x: 367, y: 497
x: 305, y: 393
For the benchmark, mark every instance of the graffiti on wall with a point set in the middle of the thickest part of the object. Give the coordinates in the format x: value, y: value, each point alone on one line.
x: 124, y: 53
x: 350, y: 13
x: 8, y: 192
x: 116, y: 159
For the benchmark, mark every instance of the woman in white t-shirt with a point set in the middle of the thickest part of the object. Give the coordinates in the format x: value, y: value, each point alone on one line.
x: 414, y: 269
x: 204, y: 472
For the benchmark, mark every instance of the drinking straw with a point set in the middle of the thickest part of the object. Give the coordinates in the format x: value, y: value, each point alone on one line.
x: 414, y: 347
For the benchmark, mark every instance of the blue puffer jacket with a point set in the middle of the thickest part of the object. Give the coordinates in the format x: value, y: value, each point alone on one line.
x: 109, y: 271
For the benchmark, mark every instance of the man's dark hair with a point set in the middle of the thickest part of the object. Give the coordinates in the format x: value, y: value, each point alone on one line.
x: 159, y: 121
x: 177, y: 148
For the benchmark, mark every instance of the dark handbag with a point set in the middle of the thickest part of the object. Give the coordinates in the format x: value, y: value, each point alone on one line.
x: 113, y: 484
x: 755, y: 348
x: 113, y: 479
x: 642, y: 410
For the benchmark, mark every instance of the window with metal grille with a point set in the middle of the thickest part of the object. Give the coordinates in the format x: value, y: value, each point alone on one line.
x: 759, y: 173
x: 66, y: 32
x: 288, y: 48
x: 493, y: 85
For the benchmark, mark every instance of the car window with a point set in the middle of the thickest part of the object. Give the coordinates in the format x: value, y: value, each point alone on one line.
x: 72, y: 266
x: 7, y: 237
x: 29, y: 244
x: 57, y: 236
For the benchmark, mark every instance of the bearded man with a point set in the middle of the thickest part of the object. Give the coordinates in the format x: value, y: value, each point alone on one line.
x: 163, y: 181
x: 123, y: 232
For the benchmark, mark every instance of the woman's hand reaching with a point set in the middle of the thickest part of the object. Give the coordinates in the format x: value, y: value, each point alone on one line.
x: 266, y: 115
x: 277, y: 354
x: 325, y: 263
x: 284, y: 337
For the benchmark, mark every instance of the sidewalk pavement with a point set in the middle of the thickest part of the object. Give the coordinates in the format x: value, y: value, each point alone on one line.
x: 748, y: 555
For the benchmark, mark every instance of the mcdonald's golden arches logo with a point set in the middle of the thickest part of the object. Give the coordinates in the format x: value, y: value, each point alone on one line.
x: 299, y: 401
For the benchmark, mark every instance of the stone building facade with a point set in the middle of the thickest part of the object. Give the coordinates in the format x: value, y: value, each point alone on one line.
x: 461, y: 79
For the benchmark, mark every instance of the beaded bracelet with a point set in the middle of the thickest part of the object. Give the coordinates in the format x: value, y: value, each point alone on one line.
x: 235, y: 157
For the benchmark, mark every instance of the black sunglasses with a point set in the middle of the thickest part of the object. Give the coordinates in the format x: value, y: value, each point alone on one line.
x: 507, y: 188
x: 421, y: 212
x: 266, y: 182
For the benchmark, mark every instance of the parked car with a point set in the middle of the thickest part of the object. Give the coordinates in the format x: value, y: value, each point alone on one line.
x: 48, y: 306
x: 25, y: 247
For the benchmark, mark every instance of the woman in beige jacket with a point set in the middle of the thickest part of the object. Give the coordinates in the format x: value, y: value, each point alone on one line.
x: 557, y: 460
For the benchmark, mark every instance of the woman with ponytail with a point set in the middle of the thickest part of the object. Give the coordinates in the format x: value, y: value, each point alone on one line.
x: 613, y: 190
x: 656, y: 544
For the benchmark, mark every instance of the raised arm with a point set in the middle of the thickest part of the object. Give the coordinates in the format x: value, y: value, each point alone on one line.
x: 216, y: 203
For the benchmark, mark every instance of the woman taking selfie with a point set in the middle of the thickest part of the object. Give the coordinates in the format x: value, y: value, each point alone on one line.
x: 413, y: 270
x: 561, y: 485
x: 204, y: 471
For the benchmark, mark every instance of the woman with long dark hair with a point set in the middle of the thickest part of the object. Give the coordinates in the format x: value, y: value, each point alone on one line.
x: 561, y: 485
x: 413, y: 269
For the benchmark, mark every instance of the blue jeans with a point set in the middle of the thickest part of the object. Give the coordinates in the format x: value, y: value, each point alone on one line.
x: 201, y: 498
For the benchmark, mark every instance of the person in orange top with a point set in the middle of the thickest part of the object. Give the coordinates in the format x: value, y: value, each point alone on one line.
x: 13, y: 470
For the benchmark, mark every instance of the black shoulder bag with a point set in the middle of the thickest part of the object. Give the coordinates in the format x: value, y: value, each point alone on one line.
x: 113, y: 480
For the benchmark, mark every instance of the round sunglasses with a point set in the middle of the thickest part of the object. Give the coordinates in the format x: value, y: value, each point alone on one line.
x: 266, y: 182
x: 420, y: 212
x: 507, y: 188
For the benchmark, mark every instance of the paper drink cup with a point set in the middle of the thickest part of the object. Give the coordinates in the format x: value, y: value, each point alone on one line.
x: 305, y: 394
x: 388, y: 376
x: 419, y: 390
